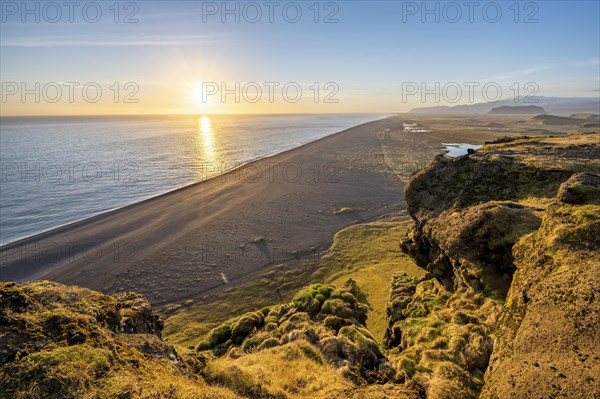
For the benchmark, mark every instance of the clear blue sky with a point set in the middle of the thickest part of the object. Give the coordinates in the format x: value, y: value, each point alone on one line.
x: 372, y: 50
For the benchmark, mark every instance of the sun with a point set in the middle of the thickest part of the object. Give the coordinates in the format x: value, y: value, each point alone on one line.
x: 201, y: 101
x: 198, y: 96
x: 205, y: 124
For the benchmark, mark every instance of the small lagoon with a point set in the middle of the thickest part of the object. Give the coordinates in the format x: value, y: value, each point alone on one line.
x: 459, y: 149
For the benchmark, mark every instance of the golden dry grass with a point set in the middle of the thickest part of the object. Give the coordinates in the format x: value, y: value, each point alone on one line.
x: 294, y: 370
x: 369, y: 254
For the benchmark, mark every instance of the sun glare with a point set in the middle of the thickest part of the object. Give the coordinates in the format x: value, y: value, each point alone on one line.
x: 205, y: 125
x: 205, y: 140
x: 197, y: 96
x: 199, y: 101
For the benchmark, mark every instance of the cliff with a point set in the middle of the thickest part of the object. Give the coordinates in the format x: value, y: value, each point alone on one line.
x: 549, y: 331
x: 518, y: 222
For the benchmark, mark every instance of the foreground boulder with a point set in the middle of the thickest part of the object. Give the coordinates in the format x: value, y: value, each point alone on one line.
x: 60, y: 341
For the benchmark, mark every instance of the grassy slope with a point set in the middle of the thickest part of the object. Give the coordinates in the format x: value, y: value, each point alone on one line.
x: 306, y: 376
x: 187, y: 327
x: 367, y: 253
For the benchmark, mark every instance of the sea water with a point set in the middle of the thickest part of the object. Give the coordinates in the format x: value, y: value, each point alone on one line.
x: 58, y: 170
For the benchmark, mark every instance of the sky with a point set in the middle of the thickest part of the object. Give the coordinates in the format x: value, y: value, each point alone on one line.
x: 161, y: 57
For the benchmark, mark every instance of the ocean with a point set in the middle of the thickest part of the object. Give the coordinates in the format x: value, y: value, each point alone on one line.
x: 58, y: 170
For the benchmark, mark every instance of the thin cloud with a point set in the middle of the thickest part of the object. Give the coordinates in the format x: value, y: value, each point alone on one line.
x: 594, y: 61
x: 518, y: 74
x: 63, y: 42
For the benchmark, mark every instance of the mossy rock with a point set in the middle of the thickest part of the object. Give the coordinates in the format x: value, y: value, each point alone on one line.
x: 15, y: 298
x: 393, y: 335
x: 450, y: 381
x: 266, y: 310
x: 273, y: 315
x: 61, y: 341
x: 325, y: 290
x: 337, y: 307
x: 581, y: 188
x: 362, y: 338
x: 219, y: 335
x: 463, y: 318
x: 311, y: 352
x: 221, y: 349
x: 204, y: 346
x: 352, y: 287
x: 235, y: 352
x: 59, y: 373
x: 296, y: 321
x: 306, y: 302
x: 245, y: 325
x: 250, y: 343
x: 407, y: 367
x: 335, y: 323
x: 294, y: 335
x: 338, y: 351
x: 269, y: 343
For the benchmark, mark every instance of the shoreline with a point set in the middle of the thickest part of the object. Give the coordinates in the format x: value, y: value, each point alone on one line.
x: 24, y: 240
x: 211, y: 235
x: 223, y: 194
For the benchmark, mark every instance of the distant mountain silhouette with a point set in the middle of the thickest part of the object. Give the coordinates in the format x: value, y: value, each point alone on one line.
x: 583, y: 120
x: 519, y: 109
x: 563, y: 106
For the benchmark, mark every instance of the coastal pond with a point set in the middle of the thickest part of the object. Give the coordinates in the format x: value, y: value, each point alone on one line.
x: 459, y: 149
